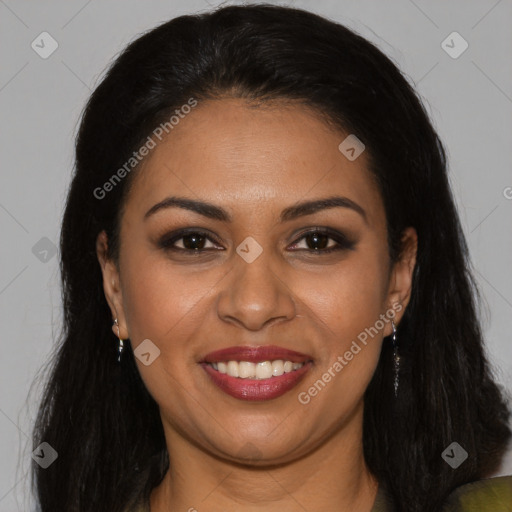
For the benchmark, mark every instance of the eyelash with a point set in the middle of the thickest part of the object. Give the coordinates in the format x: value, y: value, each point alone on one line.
x: 343, y: 243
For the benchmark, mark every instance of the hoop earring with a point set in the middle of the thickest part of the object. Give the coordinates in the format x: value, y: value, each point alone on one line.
x: 121, y: 344
x: 396, y: 359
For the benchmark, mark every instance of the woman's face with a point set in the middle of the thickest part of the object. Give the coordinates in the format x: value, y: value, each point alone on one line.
x: 263, y: 278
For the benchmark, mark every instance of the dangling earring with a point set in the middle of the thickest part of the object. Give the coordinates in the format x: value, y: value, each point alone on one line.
x: 121, y: 345
x: 396, y: 359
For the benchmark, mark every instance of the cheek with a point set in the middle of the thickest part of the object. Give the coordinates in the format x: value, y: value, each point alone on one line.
x: 158, y: 296
x: 347, y: 304
x: 168, y: 304
x: 350, y: 296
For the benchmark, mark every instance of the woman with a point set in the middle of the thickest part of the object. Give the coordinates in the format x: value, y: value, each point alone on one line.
x: 267, y: 291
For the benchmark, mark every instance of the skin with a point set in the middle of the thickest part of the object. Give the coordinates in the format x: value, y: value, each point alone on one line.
x: 254, y: 162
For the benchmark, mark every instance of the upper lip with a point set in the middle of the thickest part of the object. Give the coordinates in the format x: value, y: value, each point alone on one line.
x: 255, y: 354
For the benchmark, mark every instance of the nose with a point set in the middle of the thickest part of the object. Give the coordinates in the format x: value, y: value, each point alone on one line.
x: 255, y: 295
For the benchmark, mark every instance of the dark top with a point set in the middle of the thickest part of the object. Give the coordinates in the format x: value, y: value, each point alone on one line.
x: 490, y: 495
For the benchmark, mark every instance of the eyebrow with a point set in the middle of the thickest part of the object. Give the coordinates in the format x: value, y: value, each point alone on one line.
x: 292, y: 212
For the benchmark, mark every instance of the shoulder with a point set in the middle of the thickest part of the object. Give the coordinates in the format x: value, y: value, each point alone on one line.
x: 492, y: 494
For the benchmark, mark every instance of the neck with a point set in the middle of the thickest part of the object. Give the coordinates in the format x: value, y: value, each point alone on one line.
x: 334, y: 476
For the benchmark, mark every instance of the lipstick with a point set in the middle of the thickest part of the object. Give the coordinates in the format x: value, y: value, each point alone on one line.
x: 256, y: 354
x: 252, y: 389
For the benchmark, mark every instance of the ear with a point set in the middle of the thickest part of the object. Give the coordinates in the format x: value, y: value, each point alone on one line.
x: 400, y: 282
x: 111, y: 285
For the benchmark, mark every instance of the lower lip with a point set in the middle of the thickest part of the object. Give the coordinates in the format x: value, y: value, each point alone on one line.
x: 257, y: 389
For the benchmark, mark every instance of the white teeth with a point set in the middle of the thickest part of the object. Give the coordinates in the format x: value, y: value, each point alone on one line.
x: 277, y: 368
x: 260, y: 370
x: 264, y: 370
x: 233, y: 369
x: 246, y: 370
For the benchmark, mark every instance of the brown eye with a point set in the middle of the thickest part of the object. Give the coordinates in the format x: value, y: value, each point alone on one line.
x: 191, y: 241
x: 194, y: 241
x: 317, y: 241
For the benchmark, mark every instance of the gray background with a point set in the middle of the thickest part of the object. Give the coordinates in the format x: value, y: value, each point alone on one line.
x: 469, y: 99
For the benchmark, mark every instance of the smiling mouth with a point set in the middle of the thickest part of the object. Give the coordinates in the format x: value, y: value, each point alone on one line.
x: 251, y: 387
x: 256, y: 373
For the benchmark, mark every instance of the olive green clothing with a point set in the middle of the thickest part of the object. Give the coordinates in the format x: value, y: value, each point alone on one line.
x: 490, y: 495
x: 494, y: 494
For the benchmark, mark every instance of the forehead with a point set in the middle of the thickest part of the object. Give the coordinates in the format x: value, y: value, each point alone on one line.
x: 253, y: 156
